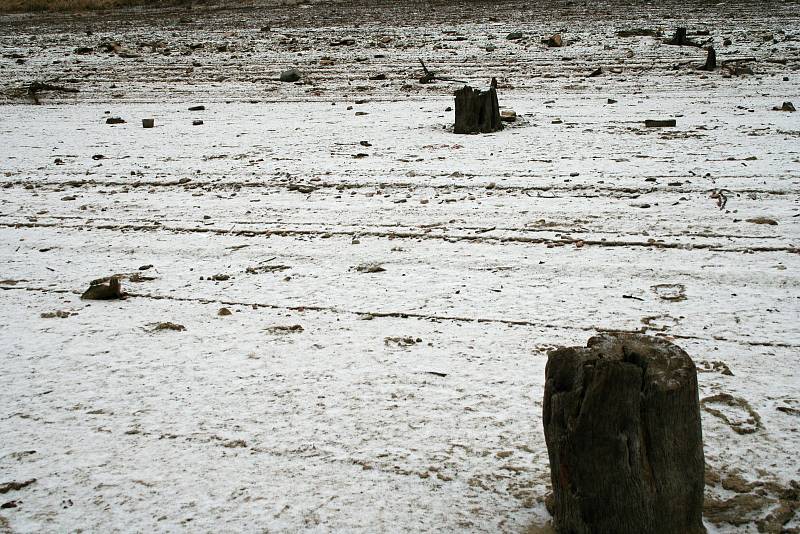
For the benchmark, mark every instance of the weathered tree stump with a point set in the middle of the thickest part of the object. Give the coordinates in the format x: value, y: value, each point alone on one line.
x: 680, y: 39
x: 711, y: 60
x: 624, y: 437
x: 477, y: 111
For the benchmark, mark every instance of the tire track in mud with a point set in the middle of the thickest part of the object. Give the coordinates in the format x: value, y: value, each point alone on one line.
x: 425, y: 228
x: 401, y: 315
x: 286, y: 184
x: 549, y: 242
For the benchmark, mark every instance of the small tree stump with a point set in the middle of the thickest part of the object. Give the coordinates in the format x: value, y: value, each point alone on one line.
x: 711, y: 60
x: 624, y: 437
x: 680, y: 39
x: 477, y: 111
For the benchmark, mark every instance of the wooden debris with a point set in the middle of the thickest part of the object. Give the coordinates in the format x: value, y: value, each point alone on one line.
x: 711, y: 60
x: 430, y: 77
x: 36, y: 87
x: 660, y: 123
x: 104, y: 291
x: 680, y: 39
x: 477, y: 111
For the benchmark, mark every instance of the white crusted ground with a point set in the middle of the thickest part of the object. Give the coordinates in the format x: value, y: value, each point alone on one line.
x: 573, y: 221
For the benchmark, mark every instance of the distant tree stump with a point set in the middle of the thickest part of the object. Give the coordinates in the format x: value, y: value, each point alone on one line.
x: 680, y: 39
x: 711, y: 60
x: 624, y: 437
x: 477, y: 111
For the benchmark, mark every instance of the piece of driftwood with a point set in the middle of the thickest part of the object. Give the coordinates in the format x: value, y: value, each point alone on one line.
x: 624, y: 437
x: 430, y: 77
x: 660, y: 123
x: 102, y: 290
x: 477, y: 111
x: 36, y: 87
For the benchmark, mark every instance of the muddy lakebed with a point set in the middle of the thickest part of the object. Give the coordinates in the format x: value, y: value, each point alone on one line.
x: 390, y: 288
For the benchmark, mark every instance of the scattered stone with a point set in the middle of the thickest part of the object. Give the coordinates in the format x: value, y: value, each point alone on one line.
x: 377, y: 77
x: 716, y: 366
x: 69, y: 197
x: 169, y: 326
x: 98, y: 157
x: 115, y: 120
x: 369, y: 268
x: 59, y: 313
x: 596, y: 72
x: 284, y: 329
x: 224, y: 312
x: 148, y: 123
x: 104, y: 291
x: 220, y: 277
x: 302, y: 188
x: 762, y: 220
x: 402, y: 341
x: 555, y: 41
x: 145, y: 267
x: 197, y: 122
x: 290, y: 76
x: 508, y: 115
x: 611, y: 101
x: 266, y: 269
x: 787, y: 106
x: 197, y: 108
x: 513, y: 36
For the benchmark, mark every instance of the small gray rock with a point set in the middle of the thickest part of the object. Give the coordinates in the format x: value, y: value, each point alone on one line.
x: 290, y: 76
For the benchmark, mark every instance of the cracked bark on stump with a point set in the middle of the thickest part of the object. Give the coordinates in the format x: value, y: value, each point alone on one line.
x: 624, y: 437
x: 477, y: 111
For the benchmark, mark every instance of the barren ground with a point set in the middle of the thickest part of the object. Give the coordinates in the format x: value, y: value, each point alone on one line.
x: 575, y: 220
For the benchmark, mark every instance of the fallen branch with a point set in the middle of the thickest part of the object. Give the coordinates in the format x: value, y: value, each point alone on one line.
x: 719, y: 195
x: 738, y: 60
x: 35, y: 87
x: 431, y: 76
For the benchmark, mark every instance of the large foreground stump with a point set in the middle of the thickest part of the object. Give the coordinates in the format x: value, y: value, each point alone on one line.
x: 623, y: 431
x: 477, y: 111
